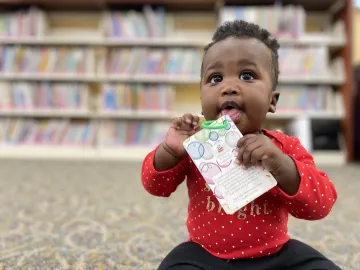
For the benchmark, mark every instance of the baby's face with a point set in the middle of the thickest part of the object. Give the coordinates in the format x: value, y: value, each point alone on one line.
x: 237, y: 81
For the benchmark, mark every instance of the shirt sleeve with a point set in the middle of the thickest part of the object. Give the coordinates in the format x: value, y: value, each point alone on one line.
x: 162, y: 183
x: 316, y: 194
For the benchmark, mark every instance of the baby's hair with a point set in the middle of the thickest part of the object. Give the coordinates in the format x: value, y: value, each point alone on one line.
x: 240, y: 29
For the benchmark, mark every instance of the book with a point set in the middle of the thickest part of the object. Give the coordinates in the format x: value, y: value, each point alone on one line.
x: 44, y: 95
x: 48, y: 60
x: 132, y: 24
x: 142, y: 61
x: 306, y: 98
x: 54, y: 132
x: 23, y: 23
x: 281, y: 21
x: 132, y: 133
x: 137, y: 97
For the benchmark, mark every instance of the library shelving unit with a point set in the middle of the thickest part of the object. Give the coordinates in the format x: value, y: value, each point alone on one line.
x: 101, y: 80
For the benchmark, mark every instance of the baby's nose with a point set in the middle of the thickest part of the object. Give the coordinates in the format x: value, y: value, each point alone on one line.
x: 229, y: 91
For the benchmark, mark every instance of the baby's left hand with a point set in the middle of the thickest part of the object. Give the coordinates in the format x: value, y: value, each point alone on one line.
x: 259, y: 150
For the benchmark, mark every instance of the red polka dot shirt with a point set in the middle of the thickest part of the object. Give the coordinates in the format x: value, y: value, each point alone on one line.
x: 258, y: 229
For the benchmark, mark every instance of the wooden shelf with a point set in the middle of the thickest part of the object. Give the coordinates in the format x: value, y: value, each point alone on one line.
x: 332, y: 42
x: 313, y: 5
x: 107, y: 4
x: 119, y: 153
x: 175, y: 4
x: 166, y: 79
x: 152, y: 115
x: 340, y: 47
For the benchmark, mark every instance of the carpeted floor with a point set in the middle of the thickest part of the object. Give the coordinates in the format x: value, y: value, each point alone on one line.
x: 72, y: 215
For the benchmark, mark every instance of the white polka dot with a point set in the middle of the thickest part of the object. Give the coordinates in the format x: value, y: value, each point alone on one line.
x: 232, y: 234
x: 249, y: 234
x: 223, y: 227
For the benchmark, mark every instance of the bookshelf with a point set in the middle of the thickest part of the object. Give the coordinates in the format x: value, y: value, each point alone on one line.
x: 59, y: 60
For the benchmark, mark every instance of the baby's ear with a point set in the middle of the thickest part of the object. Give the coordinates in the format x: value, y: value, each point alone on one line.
x: 273, y: 101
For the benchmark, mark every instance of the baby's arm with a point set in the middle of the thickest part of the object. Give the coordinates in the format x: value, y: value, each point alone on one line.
x: 316, y: 194
x: 166, y: 167
x: 163, y: 179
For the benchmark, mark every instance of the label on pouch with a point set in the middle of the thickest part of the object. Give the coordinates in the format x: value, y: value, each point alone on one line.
x: 213, y: 152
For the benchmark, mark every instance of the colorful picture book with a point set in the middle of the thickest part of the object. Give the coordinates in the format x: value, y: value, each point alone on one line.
x: 281, y: 21
x: 140, y: 61
x: 139, y: 97
x: 39, y: 60
x: 306, y: 98
x: 47, y: 132
x: 132, y: 133
x: 44, y: 95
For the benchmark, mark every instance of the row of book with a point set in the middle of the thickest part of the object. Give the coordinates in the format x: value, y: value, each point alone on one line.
x: 306, y: 98
x: 25, y: 96
x: 137, y: 97
x: 127, y: 97
x: 304, y: 60
x: 47, y: 132
x: 80, y: 133
x: 135, y: 24
x: 29, y: 59
x: 284, y: 21
x: 132, y: 132
x: 22, y: 23
x: 72, y: 60
x: 279, y: 20
x: 151, y: 61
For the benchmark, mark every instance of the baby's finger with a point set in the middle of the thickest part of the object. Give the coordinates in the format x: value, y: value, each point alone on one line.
x: 176, y: 122
x: 196, y: 120
x: 256, y: 156
x: 248, y: 152
x: 190, y: 119
x: 246, y: 140
x: 186, y: 122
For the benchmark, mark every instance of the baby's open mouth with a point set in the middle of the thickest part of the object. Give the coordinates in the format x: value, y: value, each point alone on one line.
x: 231, y: 109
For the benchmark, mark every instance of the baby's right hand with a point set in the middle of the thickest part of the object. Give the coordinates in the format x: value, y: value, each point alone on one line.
x: 180, y: 129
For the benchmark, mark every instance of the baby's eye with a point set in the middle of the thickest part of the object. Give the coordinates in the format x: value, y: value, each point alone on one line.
x: 215, y: 79
x: 247, y: 76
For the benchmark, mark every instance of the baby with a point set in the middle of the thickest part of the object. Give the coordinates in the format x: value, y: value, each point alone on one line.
x: 239, y: 75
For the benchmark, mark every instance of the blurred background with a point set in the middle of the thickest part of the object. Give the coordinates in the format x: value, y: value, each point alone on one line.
x: 87, y: 89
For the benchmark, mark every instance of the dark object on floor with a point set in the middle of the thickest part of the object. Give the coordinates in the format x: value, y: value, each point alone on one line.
x: 356, y: 117
x: 325, y: 134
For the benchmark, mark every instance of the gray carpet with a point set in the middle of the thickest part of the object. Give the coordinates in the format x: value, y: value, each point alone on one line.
x: 76, y: 215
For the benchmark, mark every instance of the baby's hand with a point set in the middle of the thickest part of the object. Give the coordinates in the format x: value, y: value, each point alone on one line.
x: 259, y: 150
x: 180, y: 129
